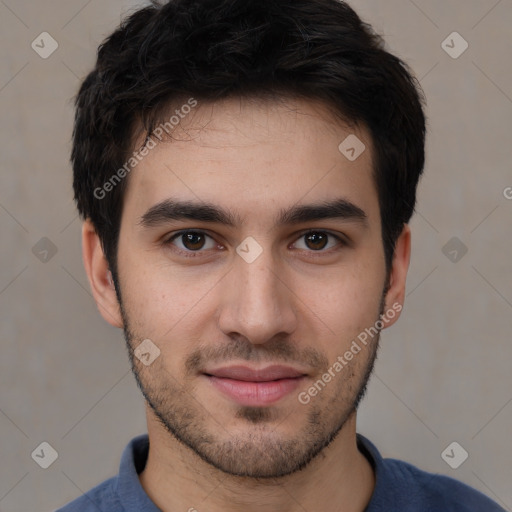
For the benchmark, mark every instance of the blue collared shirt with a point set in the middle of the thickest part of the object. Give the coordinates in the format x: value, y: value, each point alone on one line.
x: 399, y: 487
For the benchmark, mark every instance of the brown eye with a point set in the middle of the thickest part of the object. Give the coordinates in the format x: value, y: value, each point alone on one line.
x: 316, y: 241
x: 319, y: 240
x: 191, y: 241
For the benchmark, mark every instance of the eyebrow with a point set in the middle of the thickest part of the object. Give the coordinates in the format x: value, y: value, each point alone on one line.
x: 172, y: 209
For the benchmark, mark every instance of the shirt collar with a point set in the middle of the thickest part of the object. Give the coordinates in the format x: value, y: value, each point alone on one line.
x: 131, y: 494
x: 133, y: 497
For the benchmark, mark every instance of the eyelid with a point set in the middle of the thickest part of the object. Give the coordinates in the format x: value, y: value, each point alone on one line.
x: 167, y: 241
x: 342, y: 239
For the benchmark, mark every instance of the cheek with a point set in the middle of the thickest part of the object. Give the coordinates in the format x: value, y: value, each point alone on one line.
x: 164, y: 304
x: 344, y: 304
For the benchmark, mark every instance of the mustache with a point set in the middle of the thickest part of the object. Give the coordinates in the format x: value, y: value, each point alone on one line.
x: 280, y: 351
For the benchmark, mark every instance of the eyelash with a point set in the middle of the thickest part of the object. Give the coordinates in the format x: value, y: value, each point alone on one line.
x: 192, y: 254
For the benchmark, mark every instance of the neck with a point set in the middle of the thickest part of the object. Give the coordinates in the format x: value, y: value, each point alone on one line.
x: 340, y: 479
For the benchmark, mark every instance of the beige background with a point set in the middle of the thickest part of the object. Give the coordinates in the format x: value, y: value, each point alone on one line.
x: 443, y: 373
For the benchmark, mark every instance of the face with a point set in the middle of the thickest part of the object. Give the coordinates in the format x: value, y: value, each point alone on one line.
x: 249, y: 314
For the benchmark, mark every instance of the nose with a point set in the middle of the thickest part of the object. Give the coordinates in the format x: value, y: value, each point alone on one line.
x: 257, y: 302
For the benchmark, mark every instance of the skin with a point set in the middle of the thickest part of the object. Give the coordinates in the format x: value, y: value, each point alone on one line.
x: 301, y: 302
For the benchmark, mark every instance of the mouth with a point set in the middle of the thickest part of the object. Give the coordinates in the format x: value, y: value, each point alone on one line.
x: 255, y: 387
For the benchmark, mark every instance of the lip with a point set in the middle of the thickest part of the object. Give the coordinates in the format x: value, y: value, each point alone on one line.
x: 255, y: 387
x: 269, y: 373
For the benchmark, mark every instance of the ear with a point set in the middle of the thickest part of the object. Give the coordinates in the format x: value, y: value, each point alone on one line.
x: 395, y: 295
x: 100, y: 279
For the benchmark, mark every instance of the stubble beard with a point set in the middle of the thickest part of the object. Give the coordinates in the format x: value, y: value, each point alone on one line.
x: 261, y: 451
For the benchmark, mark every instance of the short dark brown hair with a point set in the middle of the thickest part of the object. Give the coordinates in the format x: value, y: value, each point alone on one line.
x: 214, y: 49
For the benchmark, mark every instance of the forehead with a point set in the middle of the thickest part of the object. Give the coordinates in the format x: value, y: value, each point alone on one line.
x: 256, y: 157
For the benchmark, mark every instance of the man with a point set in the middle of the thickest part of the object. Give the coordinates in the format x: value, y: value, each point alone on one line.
x: 246, y: 171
